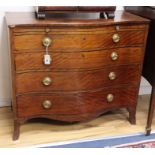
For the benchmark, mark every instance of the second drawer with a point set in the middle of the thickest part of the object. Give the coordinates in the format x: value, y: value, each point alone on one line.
x: 79, y: 60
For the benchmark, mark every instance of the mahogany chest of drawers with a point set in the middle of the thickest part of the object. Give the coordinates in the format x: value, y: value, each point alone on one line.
x: 95, y: 66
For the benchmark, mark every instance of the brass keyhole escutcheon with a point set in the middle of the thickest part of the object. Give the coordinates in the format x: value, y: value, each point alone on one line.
x: 110, y: 97
x: 114, y: 56
x: 47, y: 81
x: 47, y: 104
x: 47, y: 41
x: 116, y: 38
x: 112, y: 75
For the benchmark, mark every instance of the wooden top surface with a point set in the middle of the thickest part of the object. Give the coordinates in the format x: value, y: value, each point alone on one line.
x: 28, y: 19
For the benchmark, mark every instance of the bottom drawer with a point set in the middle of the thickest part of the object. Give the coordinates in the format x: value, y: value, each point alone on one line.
x: 76, y: 103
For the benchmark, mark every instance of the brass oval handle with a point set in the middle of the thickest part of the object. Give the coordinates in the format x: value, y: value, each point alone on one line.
x: 47, y: 81
x: 47, y: 41
x: 47, y: 104
x: 112, y: 75
x: 114, y: 56
x: 110, y: 97
x: 116, y: 38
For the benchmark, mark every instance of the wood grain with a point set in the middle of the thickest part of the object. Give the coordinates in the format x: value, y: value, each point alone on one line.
x: 77, y: 81
x: 76, y: 30
x: 85, y: 103
x: 78, y: 60
x: 81, y: 42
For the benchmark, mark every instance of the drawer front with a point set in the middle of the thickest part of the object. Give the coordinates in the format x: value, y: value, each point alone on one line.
x: 79, y: 60
x: 77, y: 80
x: 77, y: 103
x: 80, y: 42
x: 77, y: 30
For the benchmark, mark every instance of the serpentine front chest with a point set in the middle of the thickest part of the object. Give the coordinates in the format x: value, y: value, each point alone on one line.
x: 75, y: 69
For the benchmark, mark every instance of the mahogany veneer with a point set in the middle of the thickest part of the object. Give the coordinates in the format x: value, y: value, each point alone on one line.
x: 77, y: 60
x: 96, y: 66
x: 78, y: 41
x: 76, y: 80
x: 91, y: 102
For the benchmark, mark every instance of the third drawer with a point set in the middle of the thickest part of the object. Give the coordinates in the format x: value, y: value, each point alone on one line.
x: 77, y: 80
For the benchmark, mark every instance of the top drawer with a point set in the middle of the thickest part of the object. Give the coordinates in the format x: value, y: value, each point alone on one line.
x: 67, y: 40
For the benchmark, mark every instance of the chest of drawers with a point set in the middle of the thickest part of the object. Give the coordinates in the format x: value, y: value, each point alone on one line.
x: 96, y: 66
